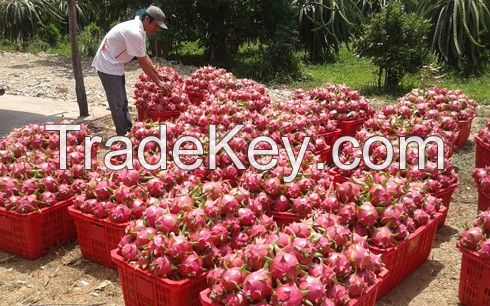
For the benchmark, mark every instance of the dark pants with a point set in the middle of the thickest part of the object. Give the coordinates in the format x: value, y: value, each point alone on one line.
x: 115, y: 90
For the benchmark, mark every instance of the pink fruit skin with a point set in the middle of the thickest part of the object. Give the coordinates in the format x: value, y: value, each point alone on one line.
x: 257, y: 286
x: 284, y: 265
x: 314, y: 288
x: 287, y: 295
x: 255, y: 256
x: 471, y: 238
x: 383, y: 237
x: 367, y: 215
x: 191, y: 266
x: 232, y: 278
x: 357, y: 285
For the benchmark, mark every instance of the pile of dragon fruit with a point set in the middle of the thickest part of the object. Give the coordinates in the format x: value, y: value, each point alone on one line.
x: 384, y: 208
x: 484, y: 134
x: 182, y: 236
x: 296, y: 127
x: 148, y: 96
x: 33, y: 144
x: 209, y: 79
x: 268, y: 191
x: 340, y: 102
x: 222, y: 223
x: 482, y: 179
x: 391, y: 126
x: 477, y: 236
x: 30, y: 177
x: 318, y: 261
x: 215, y: 84
x: 306, y: 114
x: 121, y: 196
x: 245, y: 93
x: 438, y: 102
x: 217, y: 222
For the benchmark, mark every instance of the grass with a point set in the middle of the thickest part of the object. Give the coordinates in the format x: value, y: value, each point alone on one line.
x: 349, y: 69
x: 477, y: 88
x: 37, y: 46
x: 359, y: 74
x: 189, y: 53
x: 247, y: 61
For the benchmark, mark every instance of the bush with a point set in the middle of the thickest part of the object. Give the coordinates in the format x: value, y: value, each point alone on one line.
x: 35, y: 46
x: 395, y: 42
x: 90, y: 39
x: 279, y: 60
x: 50, y: 34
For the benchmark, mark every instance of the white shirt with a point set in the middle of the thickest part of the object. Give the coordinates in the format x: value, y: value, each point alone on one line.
x: 123, y: 42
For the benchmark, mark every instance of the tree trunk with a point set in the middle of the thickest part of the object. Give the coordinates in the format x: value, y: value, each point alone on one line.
x: 75, y: 58
x: 380, y: 74
x: 157, y: 48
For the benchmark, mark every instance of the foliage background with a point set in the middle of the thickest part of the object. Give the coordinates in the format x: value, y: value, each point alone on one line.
x: 270, y: 40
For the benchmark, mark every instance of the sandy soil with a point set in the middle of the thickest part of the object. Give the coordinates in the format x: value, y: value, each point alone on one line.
x: 63, y: 277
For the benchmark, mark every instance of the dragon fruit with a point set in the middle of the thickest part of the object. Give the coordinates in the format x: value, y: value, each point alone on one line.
x: 477, y: 237
x: 298, y: 267
x: 257, y: 286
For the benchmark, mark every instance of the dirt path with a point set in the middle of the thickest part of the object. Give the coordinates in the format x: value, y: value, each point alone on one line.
x: 64, y: 277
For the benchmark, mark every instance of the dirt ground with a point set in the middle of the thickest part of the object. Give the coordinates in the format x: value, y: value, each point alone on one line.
x: 64, y: 277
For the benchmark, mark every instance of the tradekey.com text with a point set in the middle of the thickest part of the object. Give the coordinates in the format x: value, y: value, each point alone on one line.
x: 214, y: 146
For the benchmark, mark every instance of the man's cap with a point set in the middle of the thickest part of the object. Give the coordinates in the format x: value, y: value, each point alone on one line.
x: 157, y: 14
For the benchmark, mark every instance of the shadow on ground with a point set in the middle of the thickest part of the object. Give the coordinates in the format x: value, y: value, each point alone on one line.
x: 444, y: 234
x: 10, y: 119
x: 29, y: 266
x: 67, y: 254
x: 413, y: 285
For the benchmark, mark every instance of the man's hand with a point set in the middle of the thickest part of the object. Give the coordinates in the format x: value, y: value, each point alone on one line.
x: 164, y: 87
x: 150, y: 70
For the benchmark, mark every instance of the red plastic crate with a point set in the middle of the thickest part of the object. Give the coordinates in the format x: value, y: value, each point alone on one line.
x: 144, y: 114
x: 483, y: 201
x: 474, y: 279
x: 367, y: 299
x: 285, y: 218
x: 402, y: 259
x: 464, y: 128
x: 446, y: 196
x: 32, y: 235
x: 162, y: 116
x: 349, y: 128
x: 140, y: 288
x: 331, y: 137
x: 97, y: 238
x: 482, y: 153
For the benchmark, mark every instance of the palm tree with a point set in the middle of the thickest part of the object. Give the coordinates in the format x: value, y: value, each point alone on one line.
x: 19, y: 19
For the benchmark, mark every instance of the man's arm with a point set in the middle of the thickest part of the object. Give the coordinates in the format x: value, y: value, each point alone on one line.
x: 147, y: 65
